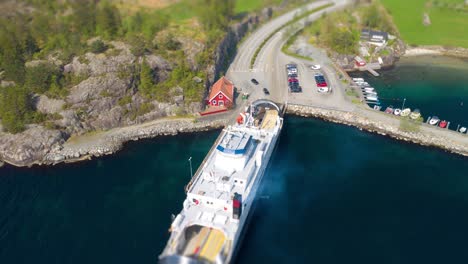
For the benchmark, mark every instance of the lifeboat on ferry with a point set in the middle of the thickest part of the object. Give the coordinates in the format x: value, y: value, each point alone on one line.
x: 241, y: 118
x: 443, y: 124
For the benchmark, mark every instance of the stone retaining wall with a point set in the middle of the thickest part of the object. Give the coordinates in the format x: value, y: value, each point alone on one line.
x: 379, y: 127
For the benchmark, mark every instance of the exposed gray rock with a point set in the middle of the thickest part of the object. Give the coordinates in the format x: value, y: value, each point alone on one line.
x: 48, y: 105
x: 94, y: 87
x: 31, y: 146
x: 71, y: 122
x: 197, y: 79
x: 157, y: 62
x: 108, y: 119
x: 178, y: 99
x: 7, y: 83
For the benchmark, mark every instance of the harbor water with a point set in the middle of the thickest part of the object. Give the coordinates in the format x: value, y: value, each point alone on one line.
x: 436, y: 85
x: 332, y: 194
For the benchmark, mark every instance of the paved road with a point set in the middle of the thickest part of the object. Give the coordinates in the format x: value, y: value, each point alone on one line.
x: 269, y: 68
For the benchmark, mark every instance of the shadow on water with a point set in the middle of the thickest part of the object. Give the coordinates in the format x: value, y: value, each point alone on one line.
x: 337, y: 195
x: 332, y: 194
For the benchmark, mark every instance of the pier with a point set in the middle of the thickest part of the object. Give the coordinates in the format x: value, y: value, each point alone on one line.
x: 371, y: 67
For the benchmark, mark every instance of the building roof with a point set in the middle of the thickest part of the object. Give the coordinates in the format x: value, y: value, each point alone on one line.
x: 224, y: 86
x: 370, y: 34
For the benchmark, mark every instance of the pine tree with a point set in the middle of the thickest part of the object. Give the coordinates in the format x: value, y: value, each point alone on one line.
x: 107, y: 21
x: 146, y: 79
x: 13, y: 60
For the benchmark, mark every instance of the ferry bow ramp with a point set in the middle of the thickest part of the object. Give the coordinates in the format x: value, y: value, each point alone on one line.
x: 221, y: 193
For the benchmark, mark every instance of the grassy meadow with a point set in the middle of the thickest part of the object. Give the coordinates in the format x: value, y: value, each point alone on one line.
x: 253, y: 5
x: 449, y: 21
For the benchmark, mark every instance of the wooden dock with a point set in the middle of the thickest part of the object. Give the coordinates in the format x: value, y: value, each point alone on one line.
x: 371, y: 67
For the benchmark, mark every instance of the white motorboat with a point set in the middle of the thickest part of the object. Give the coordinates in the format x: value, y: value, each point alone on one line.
x: 368, y: 89
x: 358, y: 79
x: 377, y: 107
x: 462, y: 130
x: 434, y: 121
x: 371, y: 98
x: 370, y: 93
x: 397, y: 111
x: 405, y: 112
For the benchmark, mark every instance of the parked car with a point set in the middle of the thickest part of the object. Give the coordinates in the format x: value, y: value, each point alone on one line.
x: 315, y: 67
x: 254, y: 81
x: 265, y: 91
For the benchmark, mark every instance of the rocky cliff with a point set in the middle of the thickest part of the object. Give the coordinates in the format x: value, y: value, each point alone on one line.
x: 105, y: 97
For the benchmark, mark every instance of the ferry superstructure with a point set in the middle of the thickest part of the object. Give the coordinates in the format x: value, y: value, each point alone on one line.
x: 221, y: 193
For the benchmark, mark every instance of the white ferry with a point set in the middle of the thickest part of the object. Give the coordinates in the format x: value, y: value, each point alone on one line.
x: 221, y: 193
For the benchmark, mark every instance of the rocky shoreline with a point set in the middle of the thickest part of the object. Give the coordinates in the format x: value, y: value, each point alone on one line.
x: 105, y: 143
x: 436, y: 50
x: 109, y: 142
x: 383, y: 128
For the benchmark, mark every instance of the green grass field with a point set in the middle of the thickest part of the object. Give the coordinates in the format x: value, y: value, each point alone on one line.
x: 253, y: 5
x: 449, y: 26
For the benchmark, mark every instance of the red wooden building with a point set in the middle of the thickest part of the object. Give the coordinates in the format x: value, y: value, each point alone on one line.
x: 222, y: 93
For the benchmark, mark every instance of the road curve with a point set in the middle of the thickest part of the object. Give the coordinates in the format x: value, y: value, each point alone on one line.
x: 269, y: 66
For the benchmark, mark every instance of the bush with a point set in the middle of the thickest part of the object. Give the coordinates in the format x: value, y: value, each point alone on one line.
x: 15, y: 108
x: 98, y: 46
x: 39, y: 78
x: 125, y: 100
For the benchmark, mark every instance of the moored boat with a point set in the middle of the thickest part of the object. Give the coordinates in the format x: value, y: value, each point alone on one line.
x: 371, y: 98
x: 377, y: 107
x: 415, y: 114
x: 462, y: 130
x: 397, y: 111
x: 370, y: 93
x: 434, y: 121
x: 443, y: 124
x: 405, y: 112
x: 389, y: 109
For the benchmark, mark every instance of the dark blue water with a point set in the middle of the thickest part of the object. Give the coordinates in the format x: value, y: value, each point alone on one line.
x: 435, y: 85
x: 333, y: 194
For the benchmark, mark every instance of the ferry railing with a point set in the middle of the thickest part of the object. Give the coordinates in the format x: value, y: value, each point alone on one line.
x: 198, y: 171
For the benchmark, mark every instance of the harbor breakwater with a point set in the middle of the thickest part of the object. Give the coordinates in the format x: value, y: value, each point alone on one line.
x: 109, y: 142
x: 374, y: 125
x: 105, y: 143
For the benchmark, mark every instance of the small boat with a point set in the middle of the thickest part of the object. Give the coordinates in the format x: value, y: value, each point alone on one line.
x: 389, y: 109
x: 443, y: 124
x: 415, y: 114
x: 434, y: 121
x: 405, y: 112
x: 370, y: 93
x: 462, y: 130
x: 371, y: 98
x: 397, y: 111
x: 378, y: 107
x: 368, y: 89
x: 363, y: 84
x: 358, y: 79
